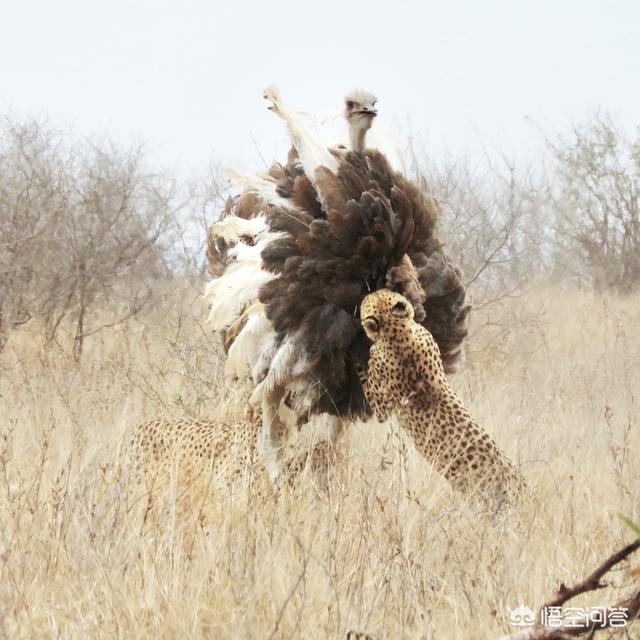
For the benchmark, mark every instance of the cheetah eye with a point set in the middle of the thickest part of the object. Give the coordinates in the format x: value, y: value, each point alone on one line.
x: 399, y: 310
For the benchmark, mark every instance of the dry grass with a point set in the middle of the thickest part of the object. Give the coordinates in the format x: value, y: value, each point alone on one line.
x: 389, y: 551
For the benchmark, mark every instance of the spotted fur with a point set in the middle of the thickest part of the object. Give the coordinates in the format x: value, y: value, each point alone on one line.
x: 193, y: 448
x: 214, y: 451
x: 406, y: 377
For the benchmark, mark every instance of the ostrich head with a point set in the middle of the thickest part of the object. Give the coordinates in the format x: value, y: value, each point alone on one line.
x: 360, y: 110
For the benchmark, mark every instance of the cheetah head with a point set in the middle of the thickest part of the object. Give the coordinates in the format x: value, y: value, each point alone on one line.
x: 384, y: 311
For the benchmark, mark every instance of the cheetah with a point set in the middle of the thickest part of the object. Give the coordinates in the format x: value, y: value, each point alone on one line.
x: 194, y: 448
x: 405, y: 376
x: 217, y: 452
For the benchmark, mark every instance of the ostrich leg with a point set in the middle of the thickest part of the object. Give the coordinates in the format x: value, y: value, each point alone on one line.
x: 319, y: 454
x: 336, y: 428
x: 273, y: 431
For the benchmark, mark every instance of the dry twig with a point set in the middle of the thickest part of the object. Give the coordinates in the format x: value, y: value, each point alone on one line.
x: 591, y: 623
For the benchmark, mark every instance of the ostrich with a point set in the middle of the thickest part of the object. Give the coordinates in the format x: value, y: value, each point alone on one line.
x: 295, y: 255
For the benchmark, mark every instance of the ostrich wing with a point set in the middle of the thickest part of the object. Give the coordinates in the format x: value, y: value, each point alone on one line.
x: 312, y: 153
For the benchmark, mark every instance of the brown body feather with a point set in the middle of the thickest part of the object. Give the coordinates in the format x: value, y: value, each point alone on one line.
x: 376, y: 230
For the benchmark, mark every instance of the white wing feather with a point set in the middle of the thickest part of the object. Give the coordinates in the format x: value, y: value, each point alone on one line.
x: 232, y: 228
x: 282, y: 364
x: 245, y: 348
x: 311, y: 151
x: 263, y: 186
x: 233, y: 291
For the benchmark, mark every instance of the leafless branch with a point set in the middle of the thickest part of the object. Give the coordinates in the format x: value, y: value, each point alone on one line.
x: 591, y: 623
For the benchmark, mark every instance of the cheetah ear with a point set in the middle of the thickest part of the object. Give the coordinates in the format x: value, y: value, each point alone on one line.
x: 400, y: 310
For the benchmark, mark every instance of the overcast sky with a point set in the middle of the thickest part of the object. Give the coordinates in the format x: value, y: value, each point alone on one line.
x: 186, y: 77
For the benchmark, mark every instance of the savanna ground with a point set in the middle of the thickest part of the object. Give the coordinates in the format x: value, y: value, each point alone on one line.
x: 553, y: 375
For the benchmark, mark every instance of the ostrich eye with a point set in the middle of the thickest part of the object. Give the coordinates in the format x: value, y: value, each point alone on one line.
x: 399, y: 310
x: 350, y: 104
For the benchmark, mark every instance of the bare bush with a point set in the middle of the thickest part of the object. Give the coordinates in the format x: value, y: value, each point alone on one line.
x: 207, y: 199
x: 593, y: 193
x: 81, y: 224
x: 491, y: 225
x: 574, y: 214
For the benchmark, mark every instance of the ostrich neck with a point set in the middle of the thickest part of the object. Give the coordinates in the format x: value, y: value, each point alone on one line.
x: 357, y: 136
